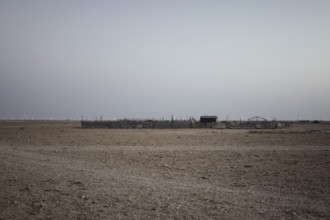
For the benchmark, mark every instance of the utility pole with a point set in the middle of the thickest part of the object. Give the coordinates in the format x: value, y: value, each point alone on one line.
x: 172, y: 121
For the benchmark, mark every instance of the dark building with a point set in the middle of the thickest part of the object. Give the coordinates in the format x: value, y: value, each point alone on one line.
x: 208, y: 119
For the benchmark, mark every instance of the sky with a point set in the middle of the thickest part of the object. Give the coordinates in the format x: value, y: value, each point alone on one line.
x: 152, y: 59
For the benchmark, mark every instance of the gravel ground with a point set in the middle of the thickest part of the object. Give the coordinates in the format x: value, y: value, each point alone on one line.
x: 56, y: 170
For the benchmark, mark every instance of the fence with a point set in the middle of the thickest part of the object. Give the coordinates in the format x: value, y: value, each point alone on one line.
x: 126, y: 124
x: 130, y: 124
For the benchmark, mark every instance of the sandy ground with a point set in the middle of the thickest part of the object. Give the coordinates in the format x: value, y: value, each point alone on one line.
x: 56, y: 170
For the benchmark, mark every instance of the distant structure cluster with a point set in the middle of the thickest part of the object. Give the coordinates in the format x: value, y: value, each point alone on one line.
x: 204, y: 122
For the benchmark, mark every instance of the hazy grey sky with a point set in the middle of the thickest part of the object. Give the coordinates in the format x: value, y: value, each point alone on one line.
x: 154, y: 58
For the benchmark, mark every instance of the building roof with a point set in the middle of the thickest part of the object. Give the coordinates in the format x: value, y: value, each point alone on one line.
x: 209, y: 117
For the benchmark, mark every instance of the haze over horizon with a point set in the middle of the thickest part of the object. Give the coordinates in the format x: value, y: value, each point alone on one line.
x: 144, y: 59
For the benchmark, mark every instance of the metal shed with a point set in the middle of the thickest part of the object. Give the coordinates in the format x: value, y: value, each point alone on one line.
x: 208, y: 119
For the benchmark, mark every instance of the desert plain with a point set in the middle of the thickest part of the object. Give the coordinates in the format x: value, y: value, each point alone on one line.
x: 57, y: 170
